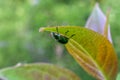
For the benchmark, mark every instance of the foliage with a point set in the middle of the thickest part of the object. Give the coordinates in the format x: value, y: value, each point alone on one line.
x: 99, y: 59
x: 37, y: 72
x: 21, y: 19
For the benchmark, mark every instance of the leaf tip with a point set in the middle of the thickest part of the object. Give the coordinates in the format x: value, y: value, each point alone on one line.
x: 41, y: 29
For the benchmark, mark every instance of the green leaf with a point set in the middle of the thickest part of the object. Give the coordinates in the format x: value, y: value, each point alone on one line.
x: 37, y: 71
x: 118, y: 76
x: 91, y: 50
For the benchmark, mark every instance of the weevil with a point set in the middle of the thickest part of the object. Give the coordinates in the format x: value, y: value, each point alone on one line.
x: 61, y: 38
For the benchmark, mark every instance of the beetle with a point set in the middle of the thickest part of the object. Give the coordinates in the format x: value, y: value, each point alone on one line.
x: 60, y: 38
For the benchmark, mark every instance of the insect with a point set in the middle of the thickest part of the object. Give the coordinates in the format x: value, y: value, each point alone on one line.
x: 60, y: 38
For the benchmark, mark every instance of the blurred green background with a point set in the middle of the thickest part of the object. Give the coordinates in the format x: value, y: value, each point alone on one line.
x: 21, y: 42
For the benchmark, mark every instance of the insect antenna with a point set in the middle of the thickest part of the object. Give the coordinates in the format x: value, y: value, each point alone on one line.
x: 66, y: 32
x: 72, y: 36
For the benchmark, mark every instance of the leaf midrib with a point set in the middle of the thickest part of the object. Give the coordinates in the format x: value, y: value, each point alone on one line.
x: 96, y: 64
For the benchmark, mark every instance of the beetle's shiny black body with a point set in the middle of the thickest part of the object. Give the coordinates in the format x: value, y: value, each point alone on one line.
x: 60, y: 38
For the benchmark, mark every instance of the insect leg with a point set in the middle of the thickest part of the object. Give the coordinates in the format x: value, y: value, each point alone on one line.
x: 72, y: 36
x: 57, y: 30
x: 66, y: 32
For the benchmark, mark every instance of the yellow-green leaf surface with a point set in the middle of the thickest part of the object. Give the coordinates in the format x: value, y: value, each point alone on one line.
x: 91, y: 50
x: 37, y: 71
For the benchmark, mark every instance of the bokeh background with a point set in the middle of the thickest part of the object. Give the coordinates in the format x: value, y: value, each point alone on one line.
x: 21, y: 42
